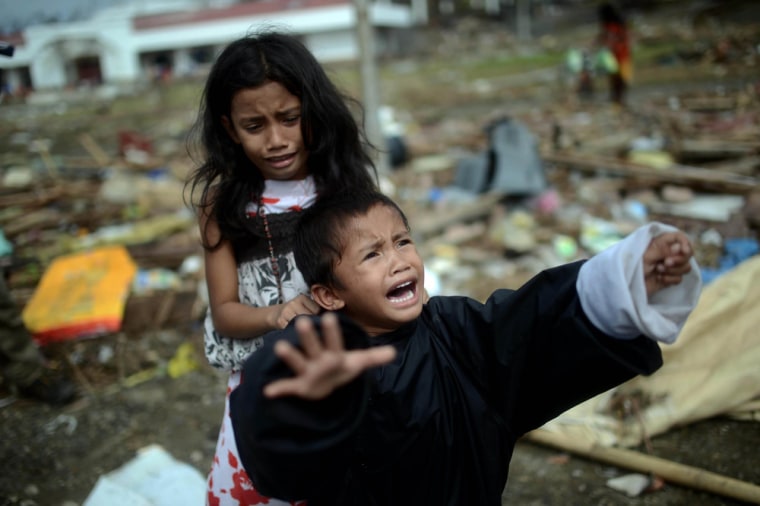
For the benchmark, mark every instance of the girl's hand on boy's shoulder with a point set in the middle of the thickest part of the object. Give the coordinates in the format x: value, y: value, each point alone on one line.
x: 302, y: 304
x: 322, y: 364
x: 666, y: 261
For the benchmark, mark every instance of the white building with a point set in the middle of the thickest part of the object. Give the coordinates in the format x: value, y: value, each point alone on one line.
x: 125, y: 45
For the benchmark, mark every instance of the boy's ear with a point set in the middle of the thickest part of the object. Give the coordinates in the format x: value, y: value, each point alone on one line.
x: 230, y: 131
x: 326, y: 297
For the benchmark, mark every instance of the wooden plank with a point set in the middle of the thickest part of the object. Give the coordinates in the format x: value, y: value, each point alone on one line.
x: 433, y: 223
x: 93, y: 148
x: 745, y: 166
x: 684, y: 174
x: 38, y: 219
x: 709, y: 104
x: 37, y: 197
x: 712, y: 149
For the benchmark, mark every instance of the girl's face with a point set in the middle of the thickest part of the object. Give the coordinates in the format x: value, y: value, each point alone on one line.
x: 266, y: 122
x: 382, y: 272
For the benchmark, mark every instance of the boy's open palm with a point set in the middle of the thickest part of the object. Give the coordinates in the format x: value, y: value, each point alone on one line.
x: 666, y: 261
x: 322, y: 365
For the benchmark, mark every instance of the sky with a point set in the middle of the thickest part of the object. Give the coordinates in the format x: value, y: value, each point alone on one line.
x: 15, y: 14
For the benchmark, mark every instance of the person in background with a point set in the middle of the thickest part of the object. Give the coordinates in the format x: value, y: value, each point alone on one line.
x: 613, y: 35
x: 23, y: 366
x: 404, y: 402
x: 277, y: 135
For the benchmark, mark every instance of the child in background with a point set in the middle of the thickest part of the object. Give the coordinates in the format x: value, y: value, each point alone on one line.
x: 277, y: 135
x: 425, y: 402
x: 613, y: 35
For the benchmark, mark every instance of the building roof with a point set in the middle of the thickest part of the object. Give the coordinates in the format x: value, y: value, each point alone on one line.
x: 244, y: 9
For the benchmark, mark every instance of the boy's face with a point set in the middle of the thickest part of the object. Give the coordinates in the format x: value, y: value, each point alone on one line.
x: 381, y: 273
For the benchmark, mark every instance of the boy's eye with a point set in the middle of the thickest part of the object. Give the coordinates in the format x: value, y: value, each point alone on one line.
x: 404, y: 242
x: 371, y: 254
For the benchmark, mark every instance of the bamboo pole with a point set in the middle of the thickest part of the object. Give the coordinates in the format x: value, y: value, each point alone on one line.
x: 673, y: 472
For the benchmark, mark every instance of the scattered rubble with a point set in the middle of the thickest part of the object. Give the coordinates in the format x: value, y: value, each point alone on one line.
x: 525, y: 191
x: 592, y: 173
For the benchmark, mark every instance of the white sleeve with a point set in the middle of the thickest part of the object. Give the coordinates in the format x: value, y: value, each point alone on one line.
x: 613, y: 294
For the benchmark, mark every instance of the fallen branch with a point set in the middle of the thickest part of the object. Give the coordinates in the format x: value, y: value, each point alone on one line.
x: 673, y: 472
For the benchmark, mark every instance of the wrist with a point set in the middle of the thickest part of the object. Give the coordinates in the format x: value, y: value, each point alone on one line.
x: 272, y: 314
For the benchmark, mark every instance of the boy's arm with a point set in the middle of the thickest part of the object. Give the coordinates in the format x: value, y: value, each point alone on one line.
x: 300, y: 401
x: 648, y: 283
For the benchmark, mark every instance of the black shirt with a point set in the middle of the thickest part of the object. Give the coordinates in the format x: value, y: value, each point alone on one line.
x: 438, y: 425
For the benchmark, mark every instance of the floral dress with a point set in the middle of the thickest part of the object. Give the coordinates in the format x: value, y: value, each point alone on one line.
x: 228, y: 483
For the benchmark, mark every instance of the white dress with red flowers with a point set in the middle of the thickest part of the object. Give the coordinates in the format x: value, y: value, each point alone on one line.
x: 228, y: 483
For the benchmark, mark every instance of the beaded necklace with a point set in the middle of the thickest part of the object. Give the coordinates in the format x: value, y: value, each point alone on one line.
x: 273, y: 259
x: 284, y: 196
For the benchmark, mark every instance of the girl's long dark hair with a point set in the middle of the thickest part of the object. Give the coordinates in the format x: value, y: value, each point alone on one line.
x: 339, y: 158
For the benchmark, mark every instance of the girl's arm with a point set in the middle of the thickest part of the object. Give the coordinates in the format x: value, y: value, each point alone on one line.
x: 231, y: 317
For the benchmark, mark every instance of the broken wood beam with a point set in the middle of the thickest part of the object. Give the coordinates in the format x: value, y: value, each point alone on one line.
x: 673, y: 472
x: 709, y: 104
x: 41, y: 147
x: 37, y: 197
x: 43, y: 195
x: 745, y: 166
x: 434, y: 223
x: 684, y: 174
x: 712, y: 149
x: 95, y: 151
x: 38, y: 219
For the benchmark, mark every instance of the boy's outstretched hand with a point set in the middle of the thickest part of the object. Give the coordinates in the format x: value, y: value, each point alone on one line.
x: 666, y: 261
x: 321, y: 367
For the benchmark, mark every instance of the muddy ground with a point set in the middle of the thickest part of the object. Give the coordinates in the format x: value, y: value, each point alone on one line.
x: 54, y: 456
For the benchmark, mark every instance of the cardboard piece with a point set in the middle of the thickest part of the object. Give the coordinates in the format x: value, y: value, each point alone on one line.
x: 83, y: 294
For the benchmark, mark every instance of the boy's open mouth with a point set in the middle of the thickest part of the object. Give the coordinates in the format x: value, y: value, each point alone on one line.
x: 402, y: 292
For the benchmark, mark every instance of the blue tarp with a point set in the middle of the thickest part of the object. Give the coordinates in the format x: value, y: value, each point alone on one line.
x: 735, y: 251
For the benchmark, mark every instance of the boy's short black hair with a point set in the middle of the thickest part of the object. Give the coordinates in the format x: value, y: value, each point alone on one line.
x: 320, y: 237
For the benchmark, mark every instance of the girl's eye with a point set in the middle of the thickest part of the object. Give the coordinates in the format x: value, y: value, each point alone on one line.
x: 290, y: 120
x: 404, y: 242
x: 253, y: 128
x: 369, y: 255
